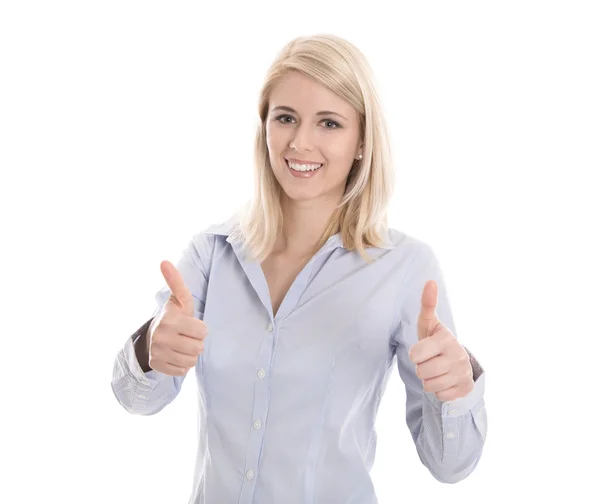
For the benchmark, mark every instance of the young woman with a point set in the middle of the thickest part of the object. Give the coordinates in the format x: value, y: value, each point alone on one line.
x: 293, y: 311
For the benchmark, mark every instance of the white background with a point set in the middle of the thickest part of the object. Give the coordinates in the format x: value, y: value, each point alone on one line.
x: 128, y: 126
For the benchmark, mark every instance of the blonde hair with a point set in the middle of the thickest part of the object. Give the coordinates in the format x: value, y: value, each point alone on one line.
x: 361, y: 216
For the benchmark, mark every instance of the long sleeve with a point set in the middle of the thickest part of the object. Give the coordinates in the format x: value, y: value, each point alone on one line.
x: 148, y: 393
x: 449, y: 435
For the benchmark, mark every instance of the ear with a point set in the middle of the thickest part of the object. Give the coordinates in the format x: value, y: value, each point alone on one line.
x: 358, y: 150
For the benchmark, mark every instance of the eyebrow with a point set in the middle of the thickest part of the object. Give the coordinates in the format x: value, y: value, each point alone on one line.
x: 322, y: 112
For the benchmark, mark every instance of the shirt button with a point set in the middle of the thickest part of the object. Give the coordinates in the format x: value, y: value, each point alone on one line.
x: 257, y: 424
x: 452, y: 412
x: 261, y: 373
x: 270, y: 327
x: 450, y: 435
x: 250, y: 474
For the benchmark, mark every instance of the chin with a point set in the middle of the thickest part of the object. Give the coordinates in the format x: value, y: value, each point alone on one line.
x: 295, y: 195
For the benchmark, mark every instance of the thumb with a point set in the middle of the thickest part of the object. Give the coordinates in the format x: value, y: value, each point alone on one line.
x: 428, y: 319
x: 180, y: 294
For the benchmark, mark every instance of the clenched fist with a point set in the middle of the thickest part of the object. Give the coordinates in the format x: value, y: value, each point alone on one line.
x: 176, y: 337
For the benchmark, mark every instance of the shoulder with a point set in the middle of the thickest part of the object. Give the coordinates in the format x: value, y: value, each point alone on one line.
x: 414, y: 259
x: 410, y: 246
x: 202, y: 243
x: 223, y: 228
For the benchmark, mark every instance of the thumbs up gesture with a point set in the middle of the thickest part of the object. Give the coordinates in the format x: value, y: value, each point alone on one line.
x: 176, y: 336
x: 442, y: 362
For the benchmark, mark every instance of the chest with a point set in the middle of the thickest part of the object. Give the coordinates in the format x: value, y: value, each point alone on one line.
x: 332, y: 319
x: 280, y: 273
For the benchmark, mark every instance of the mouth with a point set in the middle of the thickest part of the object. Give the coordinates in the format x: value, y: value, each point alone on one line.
x: 303, y: 170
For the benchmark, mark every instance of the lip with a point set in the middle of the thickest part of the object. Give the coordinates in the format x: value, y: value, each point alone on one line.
x: 303, y: 175
x: 300, y: 161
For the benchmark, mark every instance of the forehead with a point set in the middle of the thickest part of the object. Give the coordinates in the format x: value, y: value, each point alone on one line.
x: 302, y: 93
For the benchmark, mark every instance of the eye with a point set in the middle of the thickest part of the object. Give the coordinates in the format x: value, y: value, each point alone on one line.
x: 337, y: 125
x: 278, y: 118
x: 334, y: 124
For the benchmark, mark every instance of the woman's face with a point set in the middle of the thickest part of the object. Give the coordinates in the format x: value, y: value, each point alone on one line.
x: 307, y: 123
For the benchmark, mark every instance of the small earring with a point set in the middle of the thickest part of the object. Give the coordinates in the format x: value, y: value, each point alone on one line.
x: 360, y: 156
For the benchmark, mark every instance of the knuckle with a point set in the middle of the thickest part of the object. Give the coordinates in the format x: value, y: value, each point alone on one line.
x: 200, y: 329
x: 186, y: 361
x: 444, y: 336
x: 423, y: 372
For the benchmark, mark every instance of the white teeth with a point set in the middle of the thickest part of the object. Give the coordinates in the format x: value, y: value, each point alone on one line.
x: 303, y: 167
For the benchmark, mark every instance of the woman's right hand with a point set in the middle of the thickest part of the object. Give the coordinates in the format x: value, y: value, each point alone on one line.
x: 176, y: 336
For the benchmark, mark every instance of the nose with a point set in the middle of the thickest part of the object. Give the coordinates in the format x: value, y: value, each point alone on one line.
x: 301, y: 138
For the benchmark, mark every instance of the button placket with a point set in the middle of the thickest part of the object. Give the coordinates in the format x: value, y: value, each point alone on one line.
x: 261, y: 409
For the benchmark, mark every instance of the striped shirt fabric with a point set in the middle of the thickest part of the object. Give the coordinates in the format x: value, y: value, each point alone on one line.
x: 288, y: 402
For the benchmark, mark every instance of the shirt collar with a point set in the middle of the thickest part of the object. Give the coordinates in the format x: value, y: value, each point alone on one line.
x: 226, y: 229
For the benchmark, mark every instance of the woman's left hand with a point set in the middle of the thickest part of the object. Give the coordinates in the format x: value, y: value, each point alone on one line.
x: 442, y: 362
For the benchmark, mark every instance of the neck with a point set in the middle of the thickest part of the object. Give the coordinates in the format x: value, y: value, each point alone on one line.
x: 304, y: 223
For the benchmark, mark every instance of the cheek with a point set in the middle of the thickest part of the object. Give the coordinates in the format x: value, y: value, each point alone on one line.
x: 275, y: 149
x: 269, y: 138
x: 275, y: 139
x: 340, y: 159
x: 339, y: 150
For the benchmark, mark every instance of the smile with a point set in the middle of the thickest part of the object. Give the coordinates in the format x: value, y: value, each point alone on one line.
x: 304, y: 167
x: 303, y: 170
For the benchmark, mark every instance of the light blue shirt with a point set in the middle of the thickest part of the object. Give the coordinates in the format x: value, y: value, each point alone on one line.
x: 288, y: 403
